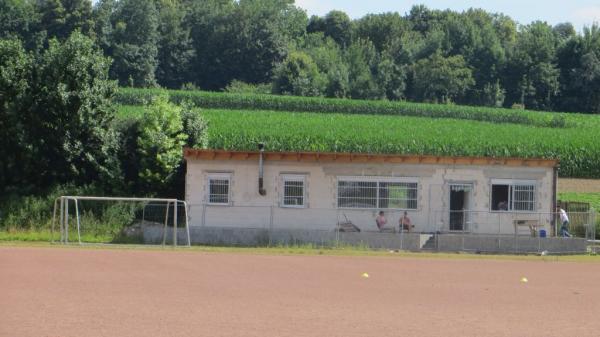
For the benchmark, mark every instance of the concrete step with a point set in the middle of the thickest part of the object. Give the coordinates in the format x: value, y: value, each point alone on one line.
x: 427, y: 242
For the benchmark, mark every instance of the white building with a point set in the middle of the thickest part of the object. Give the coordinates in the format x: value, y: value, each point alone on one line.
x: 317, y: 191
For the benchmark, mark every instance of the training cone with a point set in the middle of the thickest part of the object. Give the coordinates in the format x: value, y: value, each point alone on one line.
x: 524, y: 280
x: 365, y: 275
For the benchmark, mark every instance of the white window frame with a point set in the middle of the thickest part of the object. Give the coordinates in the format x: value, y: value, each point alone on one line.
x: 218, y: 176
x: 293, y: 177
x: 378, y: 180
x: 511, y: 183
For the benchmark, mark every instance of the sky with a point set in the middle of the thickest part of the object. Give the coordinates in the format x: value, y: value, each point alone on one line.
x: 578, y: 12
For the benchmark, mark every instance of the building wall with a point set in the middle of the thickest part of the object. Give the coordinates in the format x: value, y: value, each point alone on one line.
x: 249, y: 209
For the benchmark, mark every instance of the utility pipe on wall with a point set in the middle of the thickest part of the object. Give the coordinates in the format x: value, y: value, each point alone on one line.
x: 261, y: 189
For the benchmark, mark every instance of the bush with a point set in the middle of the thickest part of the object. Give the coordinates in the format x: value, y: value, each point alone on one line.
x: 159, y: 143
x: 240, y: 87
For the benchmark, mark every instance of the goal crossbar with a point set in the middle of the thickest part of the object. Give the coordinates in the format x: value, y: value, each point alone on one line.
x: 61, y: 204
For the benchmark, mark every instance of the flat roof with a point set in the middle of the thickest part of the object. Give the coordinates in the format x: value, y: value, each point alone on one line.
x: 339, y: 157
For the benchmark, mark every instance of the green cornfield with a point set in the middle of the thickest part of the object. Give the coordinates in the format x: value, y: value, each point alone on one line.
x: 577, y: 148
x: 576, y: 141
x: 217, y: 100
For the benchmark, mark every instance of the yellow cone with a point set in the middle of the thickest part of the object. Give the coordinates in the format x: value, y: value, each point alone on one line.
x: 365, y: 275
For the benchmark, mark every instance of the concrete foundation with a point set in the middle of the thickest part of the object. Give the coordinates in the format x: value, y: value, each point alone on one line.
x: 500, y: 244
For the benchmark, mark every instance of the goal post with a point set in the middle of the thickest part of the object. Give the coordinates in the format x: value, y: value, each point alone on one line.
x: 130, y: 209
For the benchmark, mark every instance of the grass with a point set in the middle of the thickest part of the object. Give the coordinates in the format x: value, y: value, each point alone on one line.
x: 47, y: 236
x: 592, y: 198
x: 312, y: 250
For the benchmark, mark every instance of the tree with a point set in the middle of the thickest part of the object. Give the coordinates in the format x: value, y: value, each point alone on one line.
x: 381, y: 29
x: 60, y: 107
x: 362, y: 59
x: 579, y: 64
x: 15, y: 76
x: 160, y: 143
x: 441, y: 79
x: 102, y: 14
x: 175, y: 50
x: 17, y: 19
x: 531, y: 78
x: 339, y: 27
x: 134, y: 43
x: 59, y: 18
x: 298, y: 75
x: 242, y: 40
x: 328, y: 56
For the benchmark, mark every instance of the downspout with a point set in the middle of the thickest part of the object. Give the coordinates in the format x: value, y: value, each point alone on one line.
x: 261, y: 189
x: 554, y: 196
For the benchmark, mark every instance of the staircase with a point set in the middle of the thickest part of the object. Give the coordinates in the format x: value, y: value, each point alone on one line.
x: 427, y: 242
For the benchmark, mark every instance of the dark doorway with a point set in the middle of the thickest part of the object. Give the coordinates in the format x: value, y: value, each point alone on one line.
x: 460, y: 195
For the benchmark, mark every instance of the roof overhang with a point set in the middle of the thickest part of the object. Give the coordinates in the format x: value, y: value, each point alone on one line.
x: 337, y: 157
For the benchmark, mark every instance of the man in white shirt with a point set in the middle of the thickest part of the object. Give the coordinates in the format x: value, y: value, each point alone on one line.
x: 564, y: 219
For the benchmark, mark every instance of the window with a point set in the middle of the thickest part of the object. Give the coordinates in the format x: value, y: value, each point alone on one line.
x: 293, y: 191
x: 218, y: 189
x: 513, y: 195
x: 376, y: 192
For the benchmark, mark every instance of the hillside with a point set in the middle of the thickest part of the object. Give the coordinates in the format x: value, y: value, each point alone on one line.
x: 391, y: 127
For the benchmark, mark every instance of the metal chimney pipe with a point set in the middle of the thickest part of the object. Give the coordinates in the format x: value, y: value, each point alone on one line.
x: 261, y: 189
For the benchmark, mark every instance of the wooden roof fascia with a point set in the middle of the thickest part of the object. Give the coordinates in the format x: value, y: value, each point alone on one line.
x: 365, y: 158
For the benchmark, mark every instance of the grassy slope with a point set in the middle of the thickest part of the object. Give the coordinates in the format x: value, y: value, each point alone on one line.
x: 592, y: 198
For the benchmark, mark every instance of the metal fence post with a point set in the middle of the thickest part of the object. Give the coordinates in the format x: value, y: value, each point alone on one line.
x: 271, y: 215
x: 166, y: 224
x: 66, y: 221
x: 337, y: 232
x: 78, y: 221
x: 175, y: 205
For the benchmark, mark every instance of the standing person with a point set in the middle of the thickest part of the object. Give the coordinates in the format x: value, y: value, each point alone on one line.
x: 405, y: 222
x: 381, y: 220
x: 564, y: 219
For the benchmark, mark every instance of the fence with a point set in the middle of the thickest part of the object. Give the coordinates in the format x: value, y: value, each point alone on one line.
x: 436, y: 230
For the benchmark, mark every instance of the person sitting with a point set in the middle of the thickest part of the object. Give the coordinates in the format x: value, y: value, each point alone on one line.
x: 405, y: 223
x: 380, y: 220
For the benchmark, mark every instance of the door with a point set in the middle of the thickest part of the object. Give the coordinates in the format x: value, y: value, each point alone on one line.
x: 460, y: 205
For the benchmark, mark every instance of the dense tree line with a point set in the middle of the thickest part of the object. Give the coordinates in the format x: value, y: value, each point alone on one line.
x: 471, y: 57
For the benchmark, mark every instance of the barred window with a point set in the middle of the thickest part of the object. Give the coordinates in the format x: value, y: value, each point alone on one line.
x: 376, y: 193
x: 508, y: 195
x: 218, y: 189
x: 523, y: 197
x: 293, y: 191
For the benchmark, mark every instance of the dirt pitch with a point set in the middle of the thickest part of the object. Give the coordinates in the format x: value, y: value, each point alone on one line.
x: 112, y: 292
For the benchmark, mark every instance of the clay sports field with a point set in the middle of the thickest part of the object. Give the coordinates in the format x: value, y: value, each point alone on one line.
x: 49, y: 291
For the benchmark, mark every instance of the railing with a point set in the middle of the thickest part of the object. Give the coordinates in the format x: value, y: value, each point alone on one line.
x: 331, y: 219
x: 518, y: 232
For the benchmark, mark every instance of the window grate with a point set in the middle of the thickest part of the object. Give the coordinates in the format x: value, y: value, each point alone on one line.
x: 377, y: 194
x: 293, y: 191
x: 218, y: 190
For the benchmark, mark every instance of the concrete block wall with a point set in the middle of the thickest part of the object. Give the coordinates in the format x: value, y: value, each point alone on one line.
x: 501, y: 244
x: 249, y: 209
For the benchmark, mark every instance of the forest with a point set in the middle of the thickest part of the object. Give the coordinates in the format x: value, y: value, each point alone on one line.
x: 272, y: 46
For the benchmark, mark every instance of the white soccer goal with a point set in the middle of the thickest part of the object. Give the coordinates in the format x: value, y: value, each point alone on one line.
x: 100, y: 219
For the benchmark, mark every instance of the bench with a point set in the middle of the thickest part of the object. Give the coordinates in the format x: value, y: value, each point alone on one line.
x: 532, y: 225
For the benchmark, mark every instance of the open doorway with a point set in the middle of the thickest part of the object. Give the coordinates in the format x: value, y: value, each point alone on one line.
x: 460, y: 205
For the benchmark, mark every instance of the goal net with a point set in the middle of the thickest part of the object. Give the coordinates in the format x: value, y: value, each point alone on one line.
x: 114, y: 220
